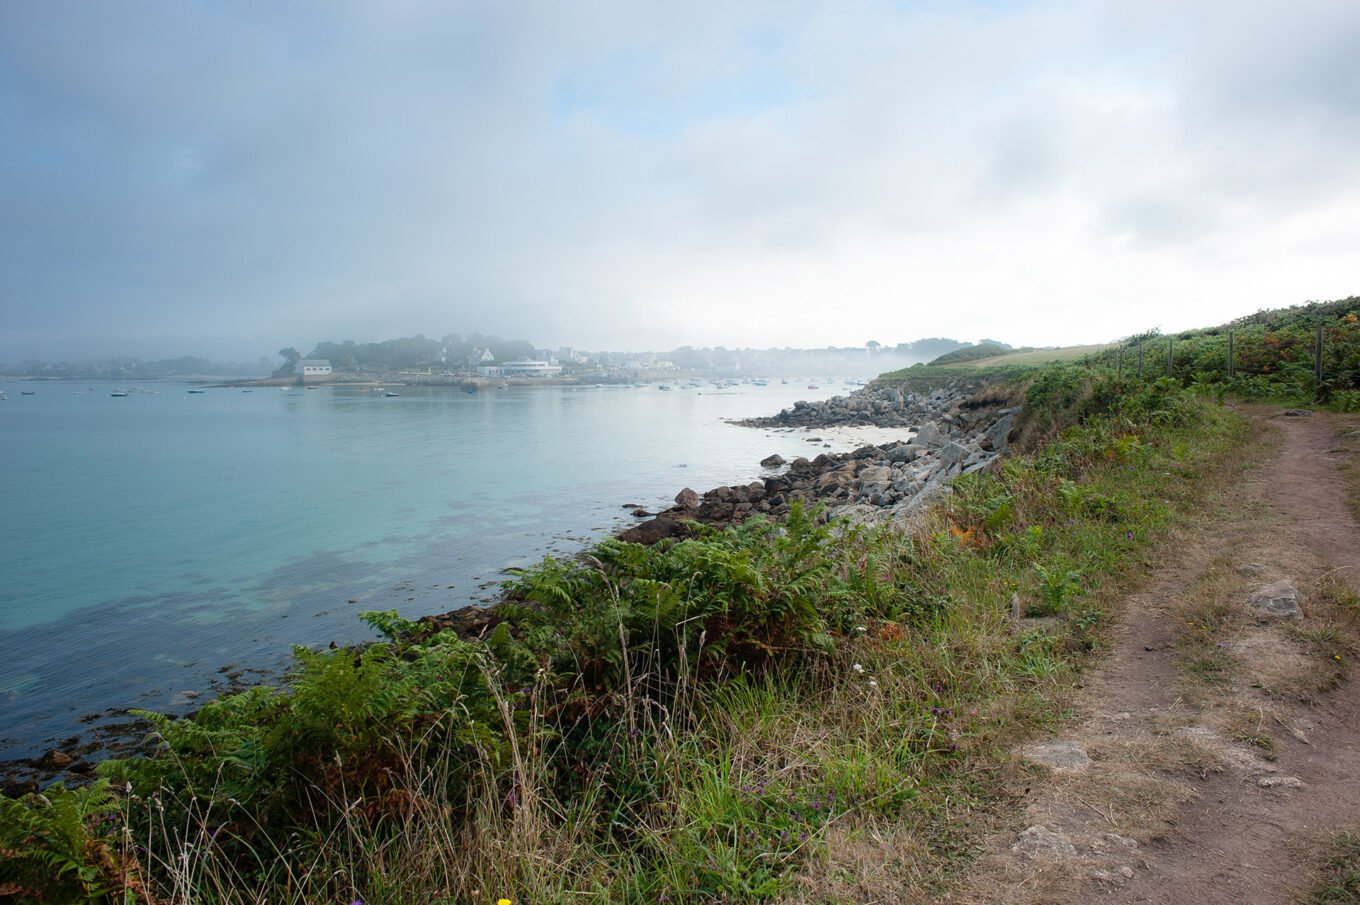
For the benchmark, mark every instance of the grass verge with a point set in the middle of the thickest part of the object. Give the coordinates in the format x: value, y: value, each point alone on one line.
x: 1336, y: 872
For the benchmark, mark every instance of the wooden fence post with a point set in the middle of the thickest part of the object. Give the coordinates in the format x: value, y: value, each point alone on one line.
x: 1317, y: 365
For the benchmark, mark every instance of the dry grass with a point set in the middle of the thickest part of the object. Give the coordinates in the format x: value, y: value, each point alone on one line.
x: 1034, y: 357
x: 1334, y: 862
x: 1348, y: 445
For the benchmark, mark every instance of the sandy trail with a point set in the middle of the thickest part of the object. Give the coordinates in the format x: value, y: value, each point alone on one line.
x: 1209, y: 794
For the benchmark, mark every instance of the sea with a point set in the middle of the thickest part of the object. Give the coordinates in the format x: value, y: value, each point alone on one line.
x: 158, y: 547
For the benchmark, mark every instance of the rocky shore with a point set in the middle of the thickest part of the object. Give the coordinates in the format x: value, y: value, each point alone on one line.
x: 957, y: 429
x: 949, y: 431
x: 880, y: 405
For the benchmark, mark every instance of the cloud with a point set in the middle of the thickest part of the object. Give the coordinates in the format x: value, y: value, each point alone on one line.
x: 225, y: 180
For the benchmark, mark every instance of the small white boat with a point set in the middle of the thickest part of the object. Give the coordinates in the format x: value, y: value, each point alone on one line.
x: 390, y: 395
x: 119, y: 393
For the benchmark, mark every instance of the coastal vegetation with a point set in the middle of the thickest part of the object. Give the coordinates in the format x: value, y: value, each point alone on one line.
x: 771, y: 710
x: 1274, y: 355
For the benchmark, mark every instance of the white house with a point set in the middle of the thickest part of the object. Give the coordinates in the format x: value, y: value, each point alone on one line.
x: 314, y: 367
x: 530, y: 369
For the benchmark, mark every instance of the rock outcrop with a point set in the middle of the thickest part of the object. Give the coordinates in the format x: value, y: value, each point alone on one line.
x: 948, y: 432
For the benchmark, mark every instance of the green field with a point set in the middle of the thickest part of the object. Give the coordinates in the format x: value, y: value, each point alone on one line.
x: 1031, y: 357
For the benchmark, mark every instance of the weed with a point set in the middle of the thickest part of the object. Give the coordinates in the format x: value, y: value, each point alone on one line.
x: 1335, y: 871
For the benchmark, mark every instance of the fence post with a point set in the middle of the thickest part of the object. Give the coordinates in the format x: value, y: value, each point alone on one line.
x: 1230, y: 355
x: 1317, y: 366
x: 1170, y: 359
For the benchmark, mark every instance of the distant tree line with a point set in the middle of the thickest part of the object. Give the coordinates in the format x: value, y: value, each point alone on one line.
x: 137, y: 369
x: 419, y: 351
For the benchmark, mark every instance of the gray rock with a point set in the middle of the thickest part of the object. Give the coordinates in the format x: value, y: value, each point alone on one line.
x: 1278, y: 600
x: 859, y: 514
x: 772, y: 461
x: 928, y: 434
x: 687, y: 499
x: 1042, y: 843
x: 980, y: 464
x: 1280, y: 782
x: 874, y: 478
x: 907, y: 452
x: 998, y: 435
x: 952, y: 453
x: 1063, y: 756
x: 935, y: 487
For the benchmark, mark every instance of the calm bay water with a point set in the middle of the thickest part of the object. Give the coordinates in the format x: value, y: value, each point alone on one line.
x: 151, y: 544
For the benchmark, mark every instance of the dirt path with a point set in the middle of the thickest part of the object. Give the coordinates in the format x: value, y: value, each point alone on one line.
x: 1220, y: 742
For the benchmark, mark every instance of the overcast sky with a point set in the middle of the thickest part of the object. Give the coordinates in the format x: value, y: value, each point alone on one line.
x: 222, y: 179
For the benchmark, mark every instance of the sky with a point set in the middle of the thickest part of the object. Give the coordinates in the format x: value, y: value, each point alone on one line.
x: 223, y: 179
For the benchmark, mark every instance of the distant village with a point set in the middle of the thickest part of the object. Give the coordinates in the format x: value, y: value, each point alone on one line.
x: 457, y: 358
x: 488, y: 358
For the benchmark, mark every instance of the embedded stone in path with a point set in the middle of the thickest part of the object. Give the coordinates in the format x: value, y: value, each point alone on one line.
x: 1278, y: 600
x: 1058, y: 755
x: 1280, y: 782
x: 1040, y: 842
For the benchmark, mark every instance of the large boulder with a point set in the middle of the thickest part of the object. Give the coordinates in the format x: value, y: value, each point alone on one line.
x: 952, y: 453
x: 772, y: 461
x: 907, y: 452
x: 657, y: 529
x: 687, y: 499
x: 928, y: 434
x: 998, y: 435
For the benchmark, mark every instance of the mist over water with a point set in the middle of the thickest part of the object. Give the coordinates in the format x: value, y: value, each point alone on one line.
x: 153, y: 543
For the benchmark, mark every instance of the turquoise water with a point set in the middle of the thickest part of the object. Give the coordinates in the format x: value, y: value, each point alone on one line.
x: 151, y: 544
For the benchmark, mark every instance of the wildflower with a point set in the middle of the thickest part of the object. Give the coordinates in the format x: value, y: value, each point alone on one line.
x: 1336, y: 657
x: 861, y: 629
x: 873, y: 683
x: 857, y: 668
x: 502, y: 902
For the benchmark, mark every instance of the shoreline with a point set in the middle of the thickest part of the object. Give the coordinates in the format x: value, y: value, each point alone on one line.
x: 897, y: 463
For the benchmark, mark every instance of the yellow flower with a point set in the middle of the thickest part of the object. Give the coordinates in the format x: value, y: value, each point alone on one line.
x: 502, y: 902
